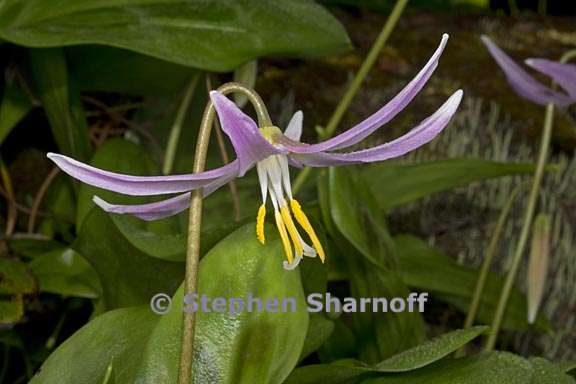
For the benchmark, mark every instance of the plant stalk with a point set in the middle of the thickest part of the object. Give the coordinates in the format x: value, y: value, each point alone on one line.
x: 357, y: 81
x: 526, y: 225
x: 489, y: 256
x: 195, y: 222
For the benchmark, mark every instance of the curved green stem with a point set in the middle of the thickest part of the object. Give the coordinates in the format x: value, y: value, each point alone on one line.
x: 195, y: 221
x: 525, y: 231
x: 528, y: 216
x: 489, y: 256
x: 344, y: 103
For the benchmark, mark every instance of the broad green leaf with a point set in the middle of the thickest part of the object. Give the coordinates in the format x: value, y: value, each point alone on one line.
x: 33, y: 246
x: 411, y: 360
x: 547, y: 373
x: 61, y: 101
x: 429, y: 351
x: 568, y: 366
x: 371, y: 267
x: 320, y: 329
x: 15, y: 106
x: 344, y: 208
x: 65, y: 272
x: 108, y: 69
x: 486, y: 368
x: 394, y: 184
x: 116, y: 337
x: 329, y: 374
x: 247, y: 347
x: 340, y: 345
x: 218, y: 36
x: 128, y: 276
x: 428, y: 269
x: 59, y: 202
x: 170, y: 245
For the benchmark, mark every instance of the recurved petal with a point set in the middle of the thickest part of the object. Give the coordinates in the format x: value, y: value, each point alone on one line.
x: 524, y: 84
x: 248, y: 142
x: 381, y: 117
x: 418, y: 136
x: 148, y: 212
x: 160, y: 209
x: 140, y: 185
x: 563, y: 74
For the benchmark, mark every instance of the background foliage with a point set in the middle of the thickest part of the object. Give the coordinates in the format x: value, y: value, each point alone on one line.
x: 102, y: 81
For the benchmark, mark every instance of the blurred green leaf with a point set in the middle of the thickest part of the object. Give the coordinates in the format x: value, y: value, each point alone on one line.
x: 218, y: 36
x: 15, y: 106
x: 66, y: 273
x: 340, y: 345
x: 33, y: 247
x: 248, y: 347
x: 385, y: 6
x: 493, y: 367
x: 349, y: 214
x: 489, y: 367
x: 547, y: 373
x: 172, y: 244
x: 11, y: 310
x: 394, y: 184
x: 15, y: 278
x: 320, y: 329
x: 61, y: 101
x: 128, y: 276
x: 15, y: 281
x: 410, y: 360
x: 245, y: 75
x: 430, y: 351
x: 372, y: 272
x: 108, y: 69
x: 117, y: 337
x: 428, y: 269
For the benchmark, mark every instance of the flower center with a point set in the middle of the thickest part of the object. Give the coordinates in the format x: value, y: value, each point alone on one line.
x: 274, y: 176
x: 270, y: 133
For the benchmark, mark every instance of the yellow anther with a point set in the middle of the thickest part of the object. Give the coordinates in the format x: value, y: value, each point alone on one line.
x: 292, y: 230
x: 260, y: 224
x: 305, y: 223
x: 284, y: 236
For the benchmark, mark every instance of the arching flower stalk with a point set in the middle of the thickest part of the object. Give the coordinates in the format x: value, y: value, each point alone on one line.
x: 272, y: 152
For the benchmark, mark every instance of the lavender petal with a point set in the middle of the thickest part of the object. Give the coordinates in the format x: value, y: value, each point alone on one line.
x: 563, y: 74
x: 418, y: 136
x: 381, y: 117
x: 248, y: 142
x: 160, y: 209
x: 139, y: 185
x: 524, y: 84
